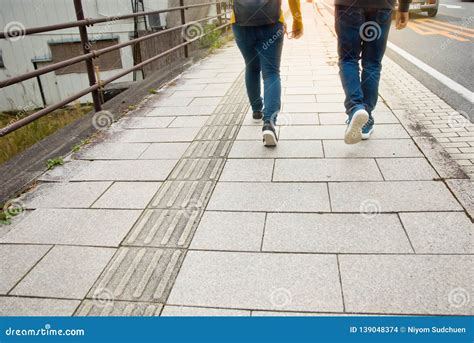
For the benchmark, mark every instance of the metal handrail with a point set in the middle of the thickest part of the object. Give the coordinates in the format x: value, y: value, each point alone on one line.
x: 93, y: 21
x: 88, y: 55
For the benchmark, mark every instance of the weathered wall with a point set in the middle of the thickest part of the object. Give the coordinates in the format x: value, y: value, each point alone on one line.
x: 174, y: 18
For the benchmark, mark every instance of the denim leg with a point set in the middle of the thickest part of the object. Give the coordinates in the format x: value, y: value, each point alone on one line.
x: 270, y: 46
x: 372, y: 55
x: 349, y: 47
x: 245, y: 38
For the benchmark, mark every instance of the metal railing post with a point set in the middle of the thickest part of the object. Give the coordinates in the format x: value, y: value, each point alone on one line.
x: 219, y: 12
x: 183, y: 22
x: 86, y: 49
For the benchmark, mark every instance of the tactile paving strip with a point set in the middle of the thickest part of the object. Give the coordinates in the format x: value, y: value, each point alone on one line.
x: 107, y: 308
x: 179, y: 224
x: 139, y: 278
x: 139, y: 274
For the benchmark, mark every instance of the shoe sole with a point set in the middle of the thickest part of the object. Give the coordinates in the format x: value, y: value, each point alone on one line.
x: 353, y: 133
x: 366, y: 136
x: 269, y: 138
x: 259, y: 120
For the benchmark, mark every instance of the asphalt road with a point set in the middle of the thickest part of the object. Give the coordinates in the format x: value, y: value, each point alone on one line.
x: 446, y: 44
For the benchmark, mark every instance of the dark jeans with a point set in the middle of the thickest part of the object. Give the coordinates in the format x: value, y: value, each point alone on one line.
x: 261, y: 47
x: 362, y: 34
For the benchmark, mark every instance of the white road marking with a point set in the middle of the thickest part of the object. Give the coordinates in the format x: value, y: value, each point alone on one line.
x: 451, y: 6
x: 451, y: 84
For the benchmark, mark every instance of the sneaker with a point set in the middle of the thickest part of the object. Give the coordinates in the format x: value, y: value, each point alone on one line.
x: 368, y: 128
x: 257, y: 116
x: 356, y: 121
x: 270, y: 137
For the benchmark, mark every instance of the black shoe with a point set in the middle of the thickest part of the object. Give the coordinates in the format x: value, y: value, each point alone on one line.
x: 257, y: 116
x: 270, y: 137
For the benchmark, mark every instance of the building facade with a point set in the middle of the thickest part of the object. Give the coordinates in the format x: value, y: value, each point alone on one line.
x: 19, y: 55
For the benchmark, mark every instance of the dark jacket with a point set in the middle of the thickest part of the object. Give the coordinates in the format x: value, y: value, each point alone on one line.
x: 403, y: 4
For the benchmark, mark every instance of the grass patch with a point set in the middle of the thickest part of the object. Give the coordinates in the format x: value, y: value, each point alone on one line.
x: 213, y: 39
x: 54, y: 162
x: 21, y: 139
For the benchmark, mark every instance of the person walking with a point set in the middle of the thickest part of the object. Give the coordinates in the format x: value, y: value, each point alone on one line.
x: 362, y: 27
x: 259, y: 28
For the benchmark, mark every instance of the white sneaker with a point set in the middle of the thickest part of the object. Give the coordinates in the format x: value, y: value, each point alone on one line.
x: 353, y: 133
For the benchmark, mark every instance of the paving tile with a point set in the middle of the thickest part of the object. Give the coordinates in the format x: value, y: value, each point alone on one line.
x: 139, y: 274
x: 64, y: 172
x: 287, y: 99
x: 389, y: 131
x: 289, y: 119
x: 395, y: 169
x: 65, y: 272
x: 173, y: 101
x: 313, y: 132
x: 258, y: 281
x: 65, y: 195
x: 184, y: 134
x: 164, y: 151
x: 250, y: 133
x: 186, y: 311
x: 335, y: 233
x: 78, y: 227
x: 17, y: 260
x: 372, y: 148
x: 145, y: 122
x: 296, y: 314
x: 407, y: 284
x: 284, y: 197
x: 251, y: 170
x: 439, y: 233
x: 331, y: 98
x: 33, y: 307
x: 208, y: 101
x: 195, y: 121
x: 182, y: 111
x: 463, y: 189
x: 112, y: 151
x: 109, y: 308
x: 396, y: 196
x: 136, y: 170
x: 313, y: 107
x: 132, y: 195
x: 326, y: 170
x: 237, y: 231
x: 440, y: 160
x: 287, y: 149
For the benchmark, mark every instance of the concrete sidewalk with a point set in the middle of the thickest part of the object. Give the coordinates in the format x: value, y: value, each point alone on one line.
x: 178, y: 209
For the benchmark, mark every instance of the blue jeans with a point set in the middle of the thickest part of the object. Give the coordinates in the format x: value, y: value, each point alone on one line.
x: 362, y: 34
x: 261, y: 47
